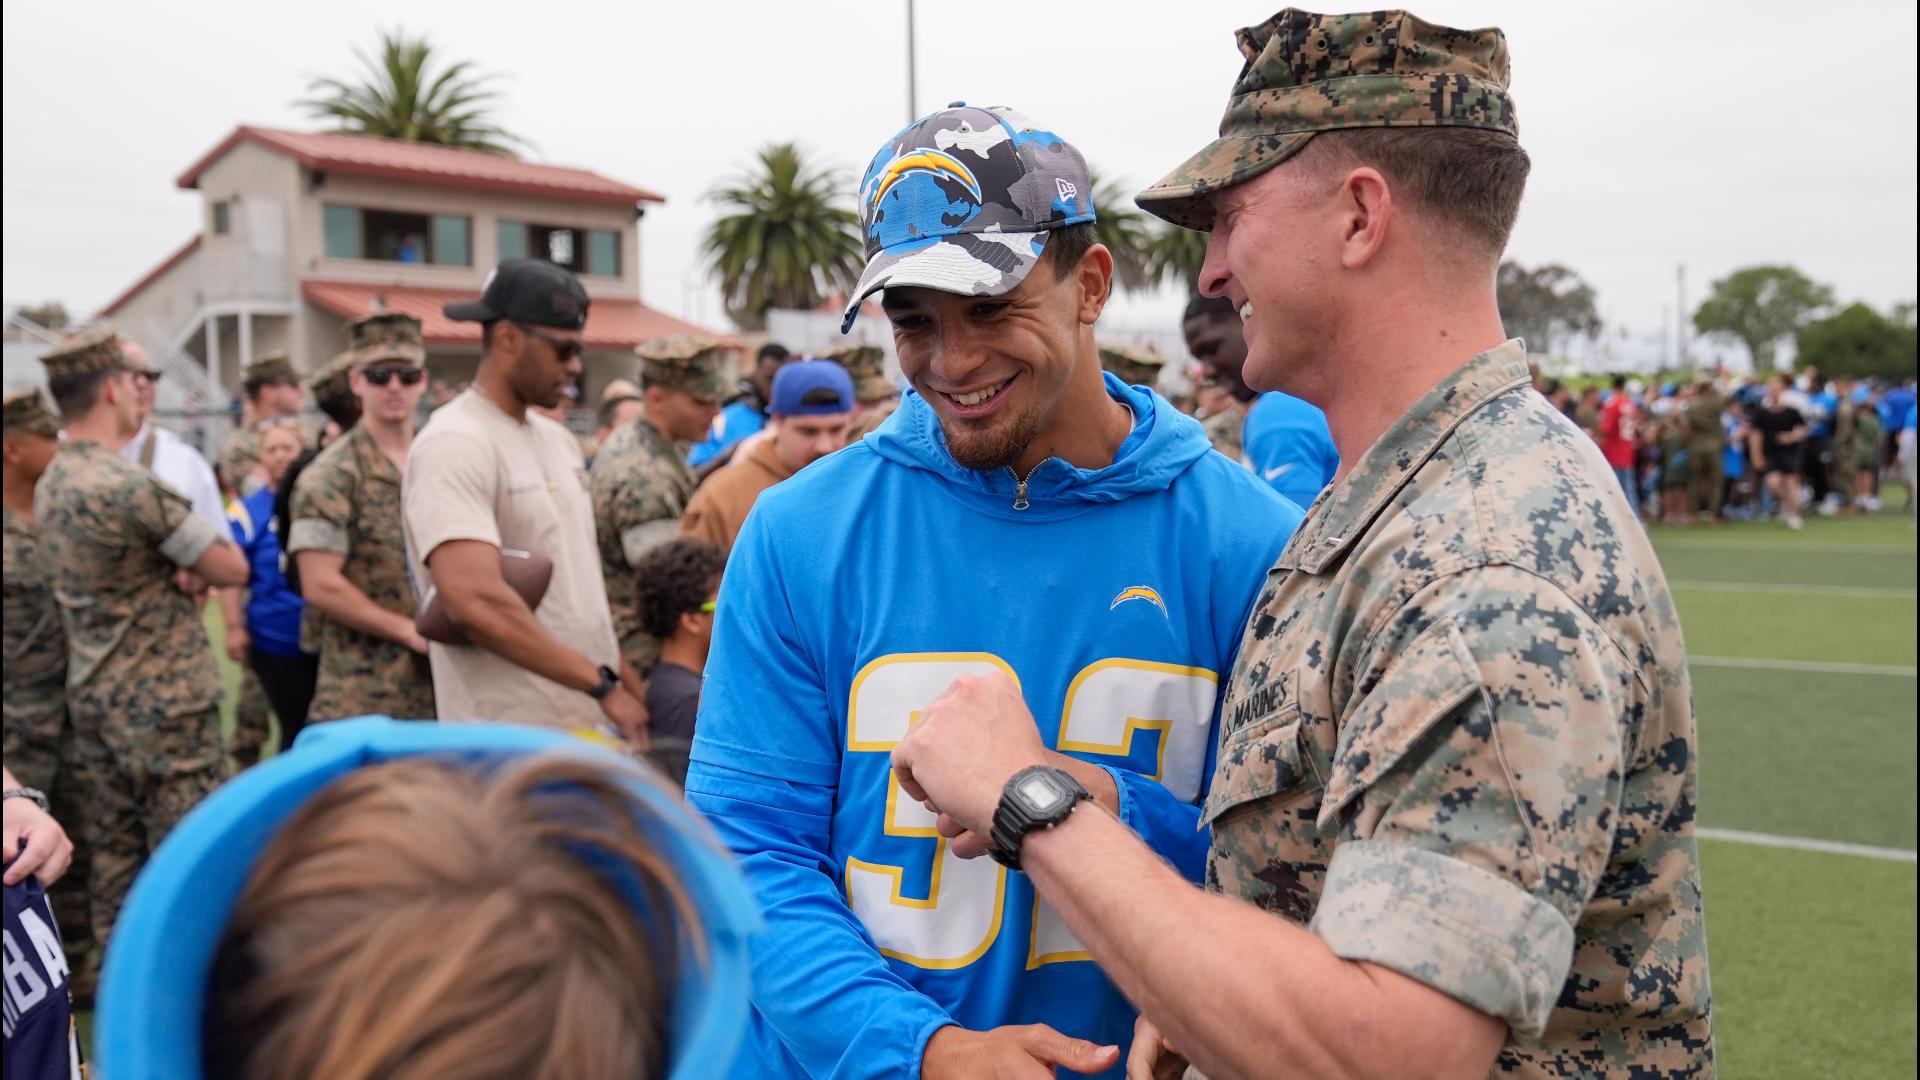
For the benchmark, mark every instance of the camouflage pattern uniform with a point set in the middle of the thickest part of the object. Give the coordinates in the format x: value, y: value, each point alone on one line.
x: 868, y: 366
x: 1458, y: 741
x: 1135, y: 367
x: 1706, y: 439
x: 143, y: 689
x: 1223, y: 430
x: 40, y: 747
x: 641, y: 484
x: 347, y: 501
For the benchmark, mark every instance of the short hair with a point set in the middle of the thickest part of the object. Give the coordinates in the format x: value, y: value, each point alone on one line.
x: 252, y: 387
x: 1470, y: 179
x: 610, y: 408
x: 772, y: 350
x: 1619, y: 382
x: 433, y: 917
x: 674, y: 580
x: 342, y: 408
x: 1065, y: 246
x: 76, y: 395
x: 1209, y: 307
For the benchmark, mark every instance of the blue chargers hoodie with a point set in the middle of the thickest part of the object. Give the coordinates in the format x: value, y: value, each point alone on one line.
x: 857, y: 592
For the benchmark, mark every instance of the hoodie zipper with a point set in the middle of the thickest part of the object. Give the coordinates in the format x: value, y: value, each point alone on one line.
x: 1020, y: 486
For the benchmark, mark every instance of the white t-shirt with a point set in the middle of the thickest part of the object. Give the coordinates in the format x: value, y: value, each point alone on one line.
x: 181, y: 468
x: 476, y: 473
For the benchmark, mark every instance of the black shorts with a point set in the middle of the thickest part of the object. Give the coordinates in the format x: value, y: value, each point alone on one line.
x: 1782, y: 459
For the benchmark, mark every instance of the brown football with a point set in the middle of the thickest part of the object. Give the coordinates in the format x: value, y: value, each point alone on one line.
x: 526, y: 573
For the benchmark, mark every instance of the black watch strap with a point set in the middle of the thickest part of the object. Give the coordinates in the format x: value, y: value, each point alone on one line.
x: 609, y: 679
x: 1037, y: 797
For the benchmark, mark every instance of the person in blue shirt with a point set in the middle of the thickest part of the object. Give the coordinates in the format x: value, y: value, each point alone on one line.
x: 263, y: 620
x: 1021, y: 512
x: 1288, y: 445
x: 744, y: 415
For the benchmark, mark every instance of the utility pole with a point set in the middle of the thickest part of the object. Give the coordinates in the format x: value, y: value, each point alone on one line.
x: 1680, y: 320
x: 913, y: 113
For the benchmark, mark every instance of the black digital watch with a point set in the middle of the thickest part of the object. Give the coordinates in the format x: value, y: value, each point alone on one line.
x: 1038, y: 797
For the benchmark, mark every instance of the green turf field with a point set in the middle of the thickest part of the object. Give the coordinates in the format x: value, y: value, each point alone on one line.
x: 1803, y: 673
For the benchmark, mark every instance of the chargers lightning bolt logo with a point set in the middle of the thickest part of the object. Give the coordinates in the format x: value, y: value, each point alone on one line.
x: 922, y: 159
x: 1139, y: 592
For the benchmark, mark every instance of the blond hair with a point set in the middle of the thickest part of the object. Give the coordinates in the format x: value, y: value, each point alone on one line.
x: 432, y: 918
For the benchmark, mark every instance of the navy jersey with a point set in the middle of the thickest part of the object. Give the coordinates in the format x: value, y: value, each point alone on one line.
x: 39, y: 1015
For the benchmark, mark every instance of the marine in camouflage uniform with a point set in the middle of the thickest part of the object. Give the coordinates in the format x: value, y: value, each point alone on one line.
x: 1135, y: 367
x: 1459, y: 738
x: 641, y: 484
x: 1706, y: 441
x: 1223, y: 430
x: 875, y: 395
x: 347, y: 501
x: 143, y: 689
x: 40, y: 747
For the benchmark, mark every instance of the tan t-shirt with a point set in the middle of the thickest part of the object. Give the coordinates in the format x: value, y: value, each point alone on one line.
x: 476, y: 473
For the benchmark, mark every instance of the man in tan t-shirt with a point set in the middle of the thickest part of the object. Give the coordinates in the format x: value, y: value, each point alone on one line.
x: 812, y: 407
x: 488, y: 474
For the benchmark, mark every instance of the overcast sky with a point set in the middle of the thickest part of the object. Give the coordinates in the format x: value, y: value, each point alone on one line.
x: 1711, y: 134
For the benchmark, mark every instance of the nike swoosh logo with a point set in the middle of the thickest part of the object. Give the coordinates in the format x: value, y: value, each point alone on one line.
x: 1277, y: 471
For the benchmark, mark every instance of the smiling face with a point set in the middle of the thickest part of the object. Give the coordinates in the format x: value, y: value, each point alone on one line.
x: 999, y: 369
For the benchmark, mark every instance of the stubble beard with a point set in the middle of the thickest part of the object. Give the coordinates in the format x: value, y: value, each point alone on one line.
x: 997, y: 447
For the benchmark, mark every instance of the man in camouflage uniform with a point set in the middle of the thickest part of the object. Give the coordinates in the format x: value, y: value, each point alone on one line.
x: 1706, y: 441
x: 1453, y: 808
x: 876, y: 397
x: 143, y: 690
x: 348, y: 541
x: 640, y: 479
x: 1135, y: 367
x: 273, y: 393
x: 39, y: 742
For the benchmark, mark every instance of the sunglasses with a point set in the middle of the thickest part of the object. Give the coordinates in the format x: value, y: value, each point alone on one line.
x: 150, y: 376
x: 707, y: 608
x: 408, y: 376
x: 566, y: 348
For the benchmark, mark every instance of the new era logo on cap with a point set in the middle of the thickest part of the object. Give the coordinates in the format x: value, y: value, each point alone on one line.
x: 1066, y: 189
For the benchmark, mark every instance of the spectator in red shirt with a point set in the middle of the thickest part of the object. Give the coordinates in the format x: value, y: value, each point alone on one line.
x: 1619, y: 421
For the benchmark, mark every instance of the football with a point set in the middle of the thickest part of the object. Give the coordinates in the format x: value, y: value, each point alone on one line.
x: 526, y: 573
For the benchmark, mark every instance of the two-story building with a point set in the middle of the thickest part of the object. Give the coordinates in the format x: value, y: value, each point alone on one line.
x: 302, y: 233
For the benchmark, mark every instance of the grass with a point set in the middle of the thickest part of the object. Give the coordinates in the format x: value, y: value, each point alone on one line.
x: 1812, y: 953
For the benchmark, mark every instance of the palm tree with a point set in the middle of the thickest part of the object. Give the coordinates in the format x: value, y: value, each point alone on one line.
x: 1175, y: 254
x: 787, y: 240
x: 1124, y: 230
x: 400, y: 98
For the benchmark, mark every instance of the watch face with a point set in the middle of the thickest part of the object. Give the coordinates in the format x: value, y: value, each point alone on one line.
x: 1041, y: 792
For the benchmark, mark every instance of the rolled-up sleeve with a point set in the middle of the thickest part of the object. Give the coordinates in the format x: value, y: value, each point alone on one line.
x: 1478, y: 780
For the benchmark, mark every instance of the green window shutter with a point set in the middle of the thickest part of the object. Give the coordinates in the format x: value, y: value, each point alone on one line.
x: 452, y: 241
x: 343, y: 232
x: 513, y: 240
x: 603, y: 253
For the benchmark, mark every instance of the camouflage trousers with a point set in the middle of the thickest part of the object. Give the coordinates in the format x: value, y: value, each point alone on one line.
x: 42, y: 752
x: 144, y: 773
x: 250, y: 711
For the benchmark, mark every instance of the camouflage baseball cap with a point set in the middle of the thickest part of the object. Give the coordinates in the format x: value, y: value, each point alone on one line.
x: 689, y: 362
x: 868, y: 366
x: 331, y: 380
x: 27, y: 410
x: 386, y: 336
x: 271, y: 367
x: 962, y: 201
x: 1135, y: 367
x: 87, y: 352
x: 1308, y: 73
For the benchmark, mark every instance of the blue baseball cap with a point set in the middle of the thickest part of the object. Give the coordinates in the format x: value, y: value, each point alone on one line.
x: 963, y: 201
x: 811, y: 388
x: 159, y: 965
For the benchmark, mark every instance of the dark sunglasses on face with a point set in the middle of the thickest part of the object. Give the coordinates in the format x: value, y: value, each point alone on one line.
x: 408, y: 376
x: 566, y: 348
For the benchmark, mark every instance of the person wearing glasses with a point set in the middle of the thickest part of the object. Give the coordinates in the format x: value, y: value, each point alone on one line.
x: 679, y: 587
x: 487, y: 474
x: 167, y: 455
x: 347, y: 542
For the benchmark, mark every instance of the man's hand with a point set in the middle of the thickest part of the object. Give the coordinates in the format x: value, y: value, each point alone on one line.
x: 238, y: 639
x: 1152, y: 1057
x: 1010, y: 1053
x: 410, y: 637
x: 39, y: 840
x: 190, y: 583
x: 968, y: 744
x: 629, y: 716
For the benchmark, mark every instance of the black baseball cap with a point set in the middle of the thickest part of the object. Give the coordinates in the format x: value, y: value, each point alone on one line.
x: 532, y: 291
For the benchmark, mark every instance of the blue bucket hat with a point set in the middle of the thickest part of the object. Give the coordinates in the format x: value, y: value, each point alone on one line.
x: 963, y: 201
x: 154, y: 985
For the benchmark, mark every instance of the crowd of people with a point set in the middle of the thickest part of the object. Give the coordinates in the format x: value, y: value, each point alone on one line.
x: 1723, y: 448
x: 1016, y: 605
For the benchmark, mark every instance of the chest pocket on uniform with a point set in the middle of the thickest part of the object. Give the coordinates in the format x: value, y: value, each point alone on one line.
x: 1262, y: 761
x: 1426, y: 682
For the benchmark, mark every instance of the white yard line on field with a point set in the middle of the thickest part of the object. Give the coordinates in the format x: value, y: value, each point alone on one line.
x: 1823, y: 667
x: 1807, y: 843
x: 1792, y: 548
x: 1863, y: 591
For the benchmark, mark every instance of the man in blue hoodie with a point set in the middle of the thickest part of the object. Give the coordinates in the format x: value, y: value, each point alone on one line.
x: 1021, y: 513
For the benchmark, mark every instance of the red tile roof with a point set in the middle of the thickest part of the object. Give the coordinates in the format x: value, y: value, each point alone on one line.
x: 153, y: 275
x: 611, y: 324
x: 398, y: 159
